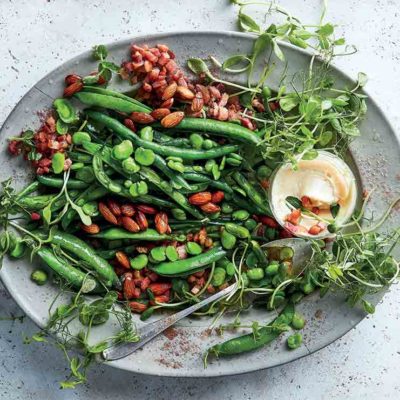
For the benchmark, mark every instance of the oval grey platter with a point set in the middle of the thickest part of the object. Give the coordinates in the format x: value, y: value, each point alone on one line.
x: 375, y: 157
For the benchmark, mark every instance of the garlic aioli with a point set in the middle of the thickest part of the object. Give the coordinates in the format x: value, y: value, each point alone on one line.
x: 320, y: 183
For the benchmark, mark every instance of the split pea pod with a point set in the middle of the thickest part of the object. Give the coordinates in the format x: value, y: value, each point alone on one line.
x: 35, y: 203
x: 160, y: 163
x: 191, y: 264
x: 27, y: 190
x: 250, y: 342
x: 252, y: 193
x: 86, y: 253
x: 186, y: 154
x: 75, y: 277
x: 109, y: 102
x: 220, y: 128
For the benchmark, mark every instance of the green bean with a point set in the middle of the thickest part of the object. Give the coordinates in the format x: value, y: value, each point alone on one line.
x: 82, y: 250
x: 189, y: 265
x: 110, y: 102
x: 27, y: 190
x: 220, y: 128
x: 254, y: 196
x: 79, y: 157
x: 179, y: 198
x: 177, y: 179
x: 35, y: 202
x: 58, y: 182
x: 197, y: 177
x: 187, y: 154
x: 150, y: 235
x: 108, y: 92
x: 70, y: 274
x: 250, y: 342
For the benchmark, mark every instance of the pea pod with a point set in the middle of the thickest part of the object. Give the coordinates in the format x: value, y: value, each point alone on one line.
x: 191, y: 264
x: 187, y: 154
x: 150, y: 235
x: 220, y: 128
x: 35, y: 203
x: 27, y: 190
x: 82, y: 250
x: 58, y: 182
x: 175, y: 178
x: 250, y: 342
x: 108, y: 92
x: 254, y: 196
x: 70, y: 274
x: 110, y: 102
x: 220, y: 184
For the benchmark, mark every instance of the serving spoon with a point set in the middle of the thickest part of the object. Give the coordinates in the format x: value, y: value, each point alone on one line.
x: 302, y: 253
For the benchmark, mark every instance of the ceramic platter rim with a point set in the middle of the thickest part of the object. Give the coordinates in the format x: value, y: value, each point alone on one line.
x: 244, y: 363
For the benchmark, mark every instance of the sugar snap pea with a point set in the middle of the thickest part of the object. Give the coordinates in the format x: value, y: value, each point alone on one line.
x: 86, y: 253
x: 221, y: 128
x: 70, y: 274
x: 189, y: 265
x: 149, y: 234
x: 249, y: 342
x: 110, y: 102
x: 58, y: 182
x: 187, y: 154
x: 108, y: 92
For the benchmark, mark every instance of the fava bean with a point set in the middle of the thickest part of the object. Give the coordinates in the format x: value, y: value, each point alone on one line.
x: 228, y: 240
x: 39, y: 277
x: 193, y: 248
x: 57, y: 163
x: 255, y: 274
x: 80, y: 137
x: 294, y: 341
x: 139, y: 262
x: 123, y: 150
x: 218, y: 277
x: 144, y: 156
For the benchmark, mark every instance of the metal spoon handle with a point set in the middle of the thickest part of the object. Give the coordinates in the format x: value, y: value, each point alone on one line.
x: 149, y: 331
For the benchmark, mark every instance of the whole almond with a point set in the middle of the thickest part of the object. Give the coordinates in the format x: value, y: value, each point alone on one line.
x: 129, y: 287
x: 73, y: 88
x: 128, y: 210
x: 184, y: 93
x: 114, y: 207
x: 161, y: 222
x: 72, y: 78
x: 217, y: 196
x: 141, y: 220
x: 160, y: 113
x: 210, y: 208
x: 145, y: 209
x: 137, y: 307
x: 172, y: 119
x: 197, y: 103
x: 123, y: 259
x: 129, y: 224
x: 169, y: 91
x: 92, y: 229
x: 167, y: 103
x: 141, y: 118
x: 107, y: 214
x: 200, y: 198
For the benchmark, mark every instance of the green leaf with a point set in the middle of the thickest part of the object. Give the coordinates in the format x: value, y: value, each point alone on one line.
x: 348, y: 128
x: 310, y: 155
x: 306, y: 131
x: 368, y: 307
x: 90, y: 79
x: 326, y: 30
x: 289, y: 102
x: 326, y: 104
x: 100, y: 52
x: 197, y: 66
x: 298, y: 42
x: 324, y: 138
x: 277, y: 50
x: 302, y: 34
x: 334, y: 272
x: 86, y: 220
x: 68, y: 384
x: 97, y: 348
x: 261, y: 44
x: 339, y: 42
x: 294, y: 202
x: 237, y: 60
x: 362, y: 79
x: 109, y: 65
x: 38, y: 338
x: 46, y: 214
x: 335, y: 208
x: 248, y: 24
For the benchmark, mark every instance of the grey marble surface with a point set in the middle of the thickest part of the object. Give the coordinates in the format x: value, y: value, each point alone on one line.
x: 38, y: 35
